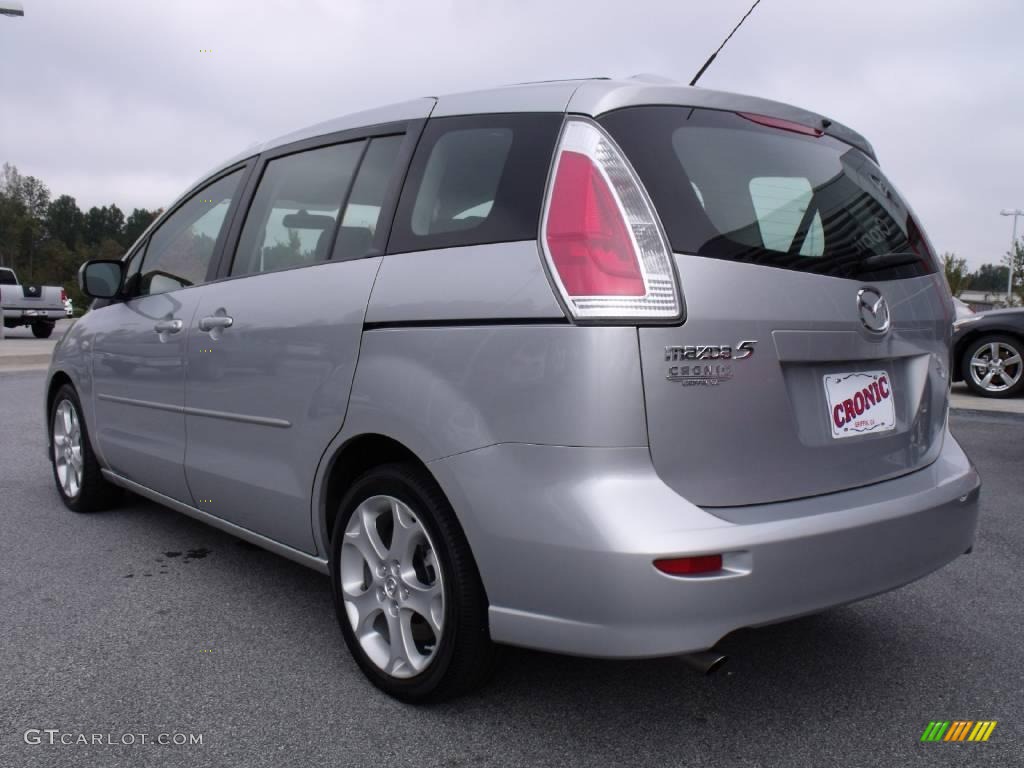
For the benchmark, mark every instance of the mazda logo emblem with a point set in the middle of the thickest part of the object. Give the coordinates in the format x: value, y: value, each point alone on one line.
x: 873, y: 310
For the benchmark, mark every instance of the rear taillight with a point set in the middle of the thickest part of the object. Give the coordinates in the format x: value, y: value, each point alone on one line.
x: 604, y: 246
x: 63, y: 295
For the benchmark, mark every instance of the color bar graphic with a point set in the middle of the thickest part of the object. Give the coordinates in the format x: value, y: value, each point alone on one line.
x: 982, y: 730
x: 935, y: 731
x: 958, y: 730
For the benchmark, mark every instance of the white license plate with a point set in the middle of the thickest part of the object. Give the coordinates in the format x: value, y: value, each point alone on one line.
x: 859, y: 403
x: 30, y: 313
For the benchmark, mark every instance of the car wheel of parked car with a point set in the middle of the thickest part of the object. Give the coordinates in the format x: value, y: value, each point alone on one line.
x: 75, y: 469
x: 407, y: 591
x: 993, y: 366
x: 42, y: 330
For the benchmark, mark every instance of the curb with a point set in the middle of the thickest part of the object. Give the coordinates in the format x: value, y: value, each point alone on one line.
x: 22, y: 361
x: 997, y: 414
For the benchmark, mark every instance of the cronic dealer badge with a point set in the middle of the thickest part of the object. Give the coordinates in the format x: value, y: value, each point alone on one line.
x: 705, y: 365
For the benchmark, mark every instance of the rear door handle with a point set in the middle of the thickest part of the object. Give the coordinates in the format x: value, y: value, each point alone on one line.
x: 168, y: 326
x: 216, y: 322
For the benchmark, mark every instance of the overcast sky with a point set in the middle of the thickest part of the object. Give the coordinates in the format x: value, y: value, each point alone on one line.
x: 114, y: 102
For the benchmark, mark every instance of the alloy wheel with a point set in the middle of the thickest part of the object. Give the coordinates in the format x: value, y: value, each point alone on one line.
x: 391, y: 586
x: 67, y: 448
x: 996, y: 367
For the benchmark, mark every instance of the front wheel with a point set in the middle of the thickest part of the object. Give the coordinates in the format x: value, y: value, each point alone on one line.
x: 42, y: 330
x: 407, y: 591
x: 76, y: 471
x: 993, y: 366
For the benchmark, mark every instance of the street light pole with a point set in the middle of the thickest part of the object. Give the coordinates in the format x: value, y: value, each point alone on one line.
x: 9, y: 8
x: 1016, y: 212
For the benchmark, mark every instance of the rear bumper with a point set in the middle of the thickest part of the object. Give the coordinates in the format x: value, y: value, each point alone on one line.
x: 565, y: 539
x: 26, y: 316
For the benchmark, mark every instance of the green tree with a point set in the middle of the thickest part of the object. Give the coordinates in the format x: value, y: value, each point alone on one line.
x: 47, y: 241
x: 64, y: 221
x: 12, y: 221
x: 956, y: 272
x: 55, y: 264
x: 35, y: 196
x: 26, y: 199
x: 1016, y: 258
x: 135, y: 225
x: 26, y: 190
x: 990, y: 278
x: 103, y: 223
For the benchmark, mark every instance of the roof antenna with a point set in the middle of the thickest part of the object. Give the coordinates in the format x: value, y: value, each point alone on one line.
x: 713, y: 55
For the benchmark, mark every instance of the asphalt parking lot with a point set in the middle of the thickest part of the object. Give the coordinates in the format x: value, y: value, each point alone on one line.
x: 20, y: 350
x: 105, y: 630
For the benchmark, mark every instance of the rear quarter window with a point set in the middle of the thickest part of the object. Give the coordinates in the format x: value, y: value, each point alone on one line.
x: 476, y: 179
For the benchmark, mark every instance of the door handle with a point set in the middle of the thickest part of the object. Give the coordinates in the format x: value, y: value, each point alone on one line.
x: 168, y: 326
x: 216, y: 322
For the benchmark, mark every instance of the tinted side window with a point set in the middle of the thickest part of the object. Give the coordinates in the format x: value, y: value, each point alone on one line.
x: 132, y: 271
x: 359, y: 224
x: 476, y: 179
x: 180, y: 250
x: 291, y: 221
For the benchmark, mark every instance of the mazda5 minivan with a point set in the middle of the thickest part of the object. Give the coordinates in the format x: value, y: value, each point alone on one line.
x: 608, y: 368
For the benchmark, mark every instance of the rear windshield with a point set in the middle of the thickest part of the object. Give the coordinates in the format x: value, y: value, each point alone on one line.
x: 730, y: 188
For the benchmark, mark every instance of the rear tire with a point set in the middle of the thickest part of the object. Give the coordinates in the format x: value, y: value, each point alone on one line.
x: 376, y: 587
x: 76, y: 470
x: 1004, y: 378
x: 42, y: 330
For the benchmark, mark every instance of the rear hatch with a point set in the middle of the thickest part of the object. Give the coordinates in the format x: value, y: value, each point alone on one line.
x: 31, y: 299
x: 814, y: 353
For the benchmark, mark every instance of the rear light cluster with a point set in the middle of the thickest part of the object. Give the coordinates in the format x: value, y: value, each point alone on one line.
x: 63, y: 295
x: 602, y: 240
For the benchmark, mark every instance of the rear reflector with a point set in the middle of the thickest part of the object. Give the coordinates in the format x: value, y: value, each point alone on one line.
x: 689, y: 566
x: 603, y: 243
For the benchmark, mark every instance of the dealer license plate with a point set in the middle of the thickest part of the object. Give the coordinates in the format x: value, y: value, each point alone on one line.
x: 859, y: 403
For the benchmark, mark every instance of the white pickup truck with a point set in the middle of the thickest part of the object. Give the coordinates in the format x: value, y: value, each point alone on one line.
x: 39, y: 306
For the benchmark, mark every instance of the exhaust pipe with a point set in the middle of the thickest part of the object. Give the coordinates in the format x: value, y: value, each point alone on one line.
x: 706, y: 663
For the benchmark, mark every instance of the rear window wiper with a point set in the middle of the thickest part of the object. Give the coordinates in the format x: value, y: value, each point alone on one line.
x: 887, y: 260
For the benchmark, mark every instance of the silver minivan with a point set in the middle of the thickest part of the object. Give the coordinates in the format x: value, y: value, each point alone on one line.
x: 599, y: 367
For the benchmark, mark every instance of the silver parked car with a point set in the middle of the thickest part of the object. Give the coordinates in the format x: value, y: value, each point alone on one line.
x: 988, y: 352
x: 597, y: 367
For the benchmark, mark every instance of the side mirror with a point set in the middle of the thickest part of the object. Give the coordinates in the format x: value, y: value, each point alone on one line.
x: 101, y: 279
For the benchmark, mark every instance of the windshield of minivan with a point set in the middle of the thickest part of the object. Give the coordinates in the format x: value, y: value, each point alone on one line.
x: 729, y: 188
